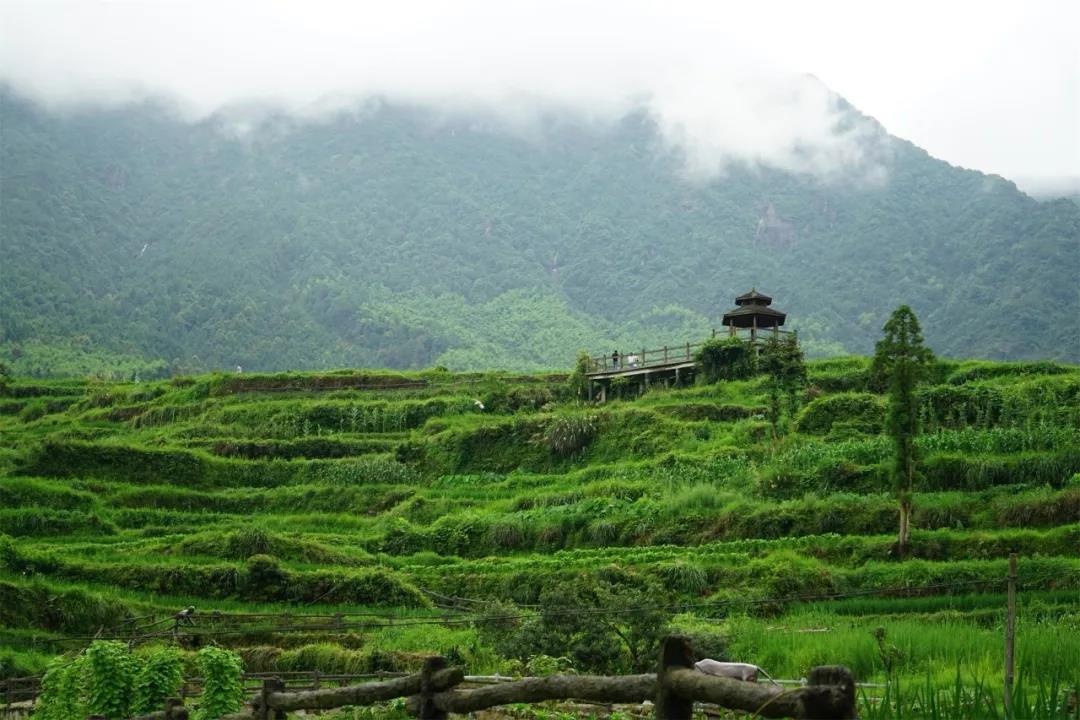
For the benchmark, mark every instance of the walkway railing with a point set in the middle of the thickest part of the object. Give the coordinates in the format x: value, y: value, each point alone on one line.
x: 620, y: 361
x: 667, y: 355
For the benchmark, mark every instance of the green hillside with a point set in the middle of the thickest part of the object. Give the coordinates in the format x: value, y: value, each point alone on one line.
x: 134, y: 244
x: 540, y: 526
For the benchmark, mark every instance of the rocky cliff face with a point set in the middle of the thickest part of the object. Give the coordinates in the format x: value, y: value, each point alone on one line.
x: 774, y: 231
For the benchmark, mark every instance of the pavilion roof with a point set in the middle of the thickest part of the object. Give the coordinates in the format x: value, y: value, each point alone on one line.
x: 745, y: 316
x: 753, y: 298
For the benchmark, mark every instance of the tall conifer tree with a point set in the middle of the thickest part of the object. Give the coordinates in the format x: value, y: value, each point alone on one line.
x: 901, y: 361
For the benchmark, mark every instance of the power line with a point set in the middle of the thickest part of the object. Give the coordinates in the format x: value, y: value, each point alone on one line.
x: 378, y: 622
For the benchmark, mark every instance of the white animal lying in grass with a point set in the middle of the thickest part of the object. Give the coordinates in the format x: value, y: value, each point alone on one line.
x: 736, y: 671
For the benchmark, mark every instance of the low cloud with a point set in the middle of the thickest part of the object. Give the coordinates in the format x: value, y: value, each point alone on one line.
x: 714, y: 99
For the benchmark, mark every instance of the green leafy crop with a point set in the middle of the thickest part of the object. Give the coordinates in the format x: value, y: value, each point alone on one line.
x: 223, y: 691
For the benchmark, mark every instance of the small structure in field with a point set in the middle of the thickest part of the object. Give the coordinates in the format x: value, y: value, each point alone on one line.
x: 676, y: 365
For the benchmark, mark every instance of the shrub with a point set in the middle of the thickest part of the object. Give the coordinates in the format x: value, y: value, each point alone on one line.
x: 1043, y: 510
x: 835, y: 378
x: 725, y: 359
x: 785, y: 574
x: 578, y: 381
x: 43, y: 606
x: 247, y: 542
x: 568, y: 435
x: 377, y: 586
x: 684, y: 578
x: 860, y: 410
x: 543, y: 665
x: 265, y: 580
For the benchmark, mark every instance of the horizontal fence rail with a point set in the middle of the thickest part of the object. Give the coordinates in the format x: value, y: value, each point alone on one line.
x: 434, y: 693
x: 19, y: 690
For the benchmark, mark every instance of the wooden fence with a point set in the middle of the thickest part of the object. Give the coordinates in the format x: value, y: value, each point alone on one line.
x: 27, y: 689
x: 19, y: 689
x: 433, y: 693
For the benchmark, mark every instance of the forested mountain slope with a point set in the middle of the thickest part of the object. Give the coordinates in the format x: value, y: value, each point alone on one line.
x: 391, y: 237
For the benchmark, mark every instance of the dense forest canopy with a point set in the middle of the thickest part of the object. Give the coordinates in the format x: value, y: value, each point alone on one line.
x: 390, y: 236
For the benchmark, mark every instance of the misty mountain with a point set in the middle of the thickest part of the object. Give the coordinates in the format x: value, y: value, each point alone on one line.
x: 394, y: 236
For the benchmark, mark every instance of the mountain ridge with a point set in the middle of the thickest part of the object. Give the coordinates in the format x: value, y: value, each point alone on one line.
x: 391, y: 237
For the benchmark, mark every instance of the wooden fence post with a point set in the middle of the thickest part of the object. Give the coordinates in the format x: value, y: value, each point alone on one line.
x: 428, y: 710
x: 263, y: 711
x: 1010, y: 635
x: 675, y: 654
x: 175, y: 710
x: 837, y: 701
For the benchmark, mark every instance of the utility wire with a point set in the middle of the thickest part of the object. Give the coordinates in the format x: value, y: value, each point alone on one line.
x: 377, y: 622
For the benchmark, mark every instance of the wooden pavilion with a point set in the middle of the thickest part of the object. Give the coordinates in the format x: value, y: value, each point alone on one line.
x: 752, y: 312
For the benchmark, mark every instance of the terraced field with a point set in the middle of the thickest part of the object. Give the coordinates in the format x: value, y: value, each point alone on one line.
x: 500, y: 521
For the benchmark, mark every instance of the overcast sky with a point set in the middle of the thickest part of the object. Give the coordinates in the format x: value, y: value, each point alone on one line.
x: 986, y: 85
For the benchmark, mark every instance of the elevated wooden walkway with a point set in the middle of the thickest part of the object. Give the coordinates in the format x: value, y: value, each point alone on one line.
x: 667, y: 365
x: 672, y: 365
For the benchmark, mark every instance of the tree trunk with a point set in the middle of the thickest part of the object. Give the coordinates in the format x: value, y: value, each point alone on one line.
x: 905, y: 527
